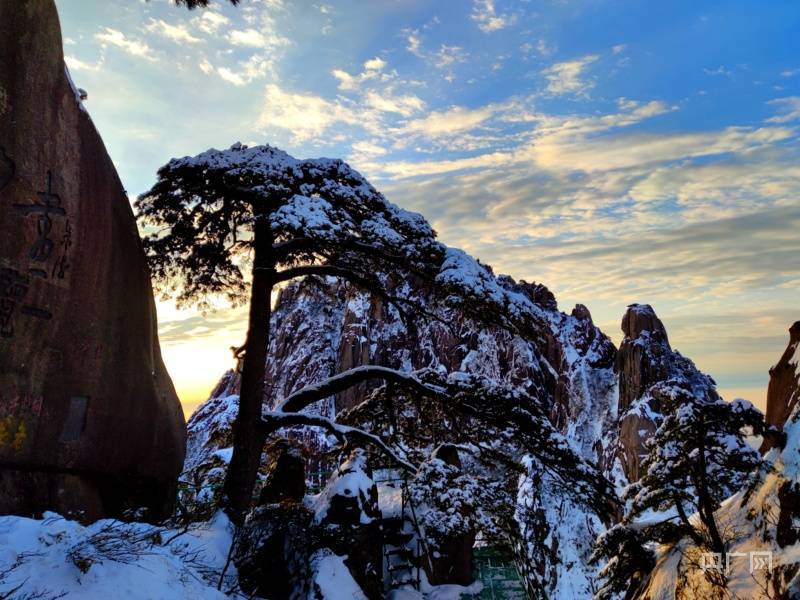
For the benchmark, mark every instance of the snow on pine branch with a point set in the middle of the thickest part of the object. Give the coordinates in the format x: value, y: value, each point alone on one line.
x: 276, y: 420
x: 203, y: 208
x: 340, y: 382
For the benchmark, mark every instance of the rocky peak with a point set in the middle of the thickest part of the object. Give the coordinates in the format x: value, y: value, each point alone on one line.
x: 319, y: 330
x: 645, y: 359
x: 783, y: 392
x: 640, y: 318
x: 539, y: 293
x: 581, y: 312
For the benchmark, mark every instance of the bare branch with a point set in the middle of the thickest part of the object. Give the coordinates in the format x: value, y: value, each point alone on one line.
x: 339, y: 383
x: 367, y: 283
x: 274, y: 421
x: 334, y: 271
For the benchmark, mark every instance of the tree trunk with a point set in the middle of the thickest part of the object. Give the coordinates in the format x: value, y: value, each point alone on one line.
x: 696, y: 537
x: 706, y: 505
x: 248, y: 440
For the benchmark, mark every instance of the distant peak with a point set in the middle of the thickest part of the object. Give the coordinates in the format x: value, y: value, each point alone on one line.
x: 639, y: 318
x: 794, y: 333
x: 581, y: 312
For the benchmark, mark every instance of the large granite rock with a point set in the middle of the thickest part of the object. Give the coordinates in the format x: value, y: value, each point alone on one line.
x: 285, y: 474
x: 643, y: 359
x: 273, y: 550
x: 89, y: 421
x: 783, y: 392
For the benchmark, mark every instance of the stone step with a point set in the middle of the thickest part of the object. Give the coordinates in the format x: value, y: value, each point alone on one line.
x: 397, y: 539
x: 401, y: 567
x: 394, y: 584
x: 401, y: 552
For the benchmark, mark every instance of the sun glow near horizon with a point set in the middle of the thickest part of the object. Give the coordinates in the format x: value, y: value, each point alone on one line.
x: 196, y: 347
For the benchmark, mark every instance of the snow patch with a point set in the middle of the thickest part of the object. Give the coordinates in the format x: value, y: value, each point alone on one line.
x: 111, y: 559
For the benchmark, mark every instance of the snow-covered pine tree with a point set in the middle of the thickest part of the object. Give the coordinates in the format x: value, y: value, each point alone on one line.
x: 493, y: 423
x: 215, y: 213
x: 627, y: 562
x: 698, y: 456
x: 211, y: 215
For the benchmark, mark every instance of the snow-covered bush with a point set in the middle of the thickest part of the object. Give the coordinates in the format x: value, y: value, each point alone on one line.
x: 454, y: 503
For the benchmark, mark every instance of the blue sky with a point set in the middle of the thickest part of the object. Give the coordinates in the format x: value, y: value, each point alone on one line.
x: 616, y: 151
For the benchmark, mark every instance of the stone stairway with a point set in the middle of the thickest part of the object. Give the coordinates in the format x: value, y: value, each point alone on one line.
x: 403, y: 542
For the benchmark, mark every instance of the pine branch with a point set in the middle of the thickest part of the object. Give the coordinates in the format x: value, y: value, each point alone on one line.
x: 343, y: 381
x: 277, y: 420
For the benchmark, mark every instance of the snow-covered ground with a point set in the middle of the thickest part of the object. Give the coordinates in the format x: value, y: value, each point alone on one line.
x: 57, y: 558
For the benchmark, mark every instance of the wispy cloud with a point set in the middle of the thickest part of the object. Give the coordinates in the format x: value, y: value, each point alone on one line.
x: 485, y: 15
x: 568, y: 77
x: 366, y: 148
x: 450, y: 121
x: 132, y: 46
x: 414, y: 42
x: 720, y: 71
x: 248, y: 37
x: 789, y: 109
x: 176, y: 33
x: 405, y: 105
x: 372, y: 69
x: 210, y: 21
x: 447, y: 56
x: 253, y: 69
x: 444, y: 58
x: 306, y: 116
x: 77, y: 64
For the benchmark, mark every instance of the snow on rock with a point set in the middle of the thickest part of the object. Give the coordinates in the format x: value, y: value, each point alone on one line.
x: 644, y: 362
x: 80, y: 93
x: 351, y: 489
x: 331, y: 579
x: 111, y: 559
x: 208, y: 451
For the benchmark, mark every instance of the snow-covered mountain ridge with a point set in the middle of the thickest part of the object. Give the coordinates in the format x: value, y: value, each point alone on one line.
x: 598, y: 396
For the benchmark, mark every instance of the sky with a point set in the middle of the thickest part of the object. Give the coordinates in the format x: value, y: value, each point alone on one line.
x: 617, y: 151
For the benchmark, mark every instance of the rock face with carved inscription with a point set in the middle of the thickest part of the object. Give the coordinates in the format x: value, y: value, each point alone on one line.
x: 90, y: 424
